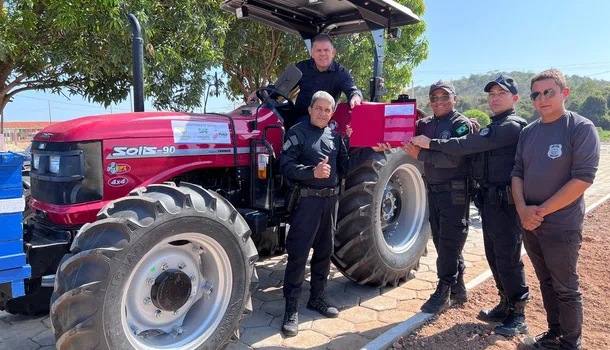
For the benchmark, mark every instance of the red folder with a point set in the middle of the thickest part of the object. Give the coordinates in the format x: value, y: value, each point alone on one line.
x: 375, y: 123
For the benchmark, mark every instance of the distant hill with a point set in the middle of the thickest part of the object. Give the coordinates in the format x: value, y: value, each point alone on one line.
x: 589, y: 97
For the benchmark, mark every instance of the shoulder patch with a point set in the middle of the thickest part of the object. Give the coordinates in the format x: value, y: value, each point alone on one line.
x: 484, y: 132
x: 293, y: 140
x: 462, y: 130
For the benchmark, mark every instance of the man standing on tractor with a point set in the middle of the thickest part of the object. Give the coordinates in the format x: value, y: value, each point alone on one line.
x: 314, y: 157
x: 493, y: 151
x: 320, y: 73
x: 446, y: 178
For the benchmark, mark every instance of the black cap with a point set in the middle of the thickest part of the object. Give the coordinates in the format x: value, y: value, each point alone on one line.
x: 441, y: 84
x: 507, y: 83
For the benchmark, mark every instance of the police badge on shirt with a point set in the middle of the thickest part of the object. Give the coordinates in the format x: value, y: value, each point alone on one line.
x: 554, y: 151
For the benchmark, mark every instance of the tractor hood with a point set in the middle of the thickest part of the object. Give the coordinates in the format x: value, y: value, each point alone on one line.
x: 307, y: 18
x: 123, y: 126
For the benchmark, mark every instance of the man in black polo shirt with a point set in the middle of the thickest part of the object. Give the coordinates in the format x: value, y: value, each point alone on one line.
x: 446, y: 179
x: 320, y: 73
x: 556, y: 161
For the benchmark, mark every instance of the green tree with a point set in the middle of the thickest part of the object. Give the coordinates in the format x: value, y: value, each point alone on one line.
x: 594, y: 107
x: 604, y: 122
x: 255, y: 55
x: 463, y: 104
x: 247, y: 56
x: 84, y: 48
x: 479, y: 115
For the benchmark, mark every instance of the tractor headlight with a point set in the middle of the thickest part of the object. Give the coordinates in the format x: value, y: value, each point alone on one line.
x: 54, y: 164
x: 36, y: 161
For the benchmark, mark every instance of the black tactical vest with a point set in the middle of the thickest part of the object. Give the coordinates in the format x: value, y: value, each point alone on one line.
x: 493, y: 168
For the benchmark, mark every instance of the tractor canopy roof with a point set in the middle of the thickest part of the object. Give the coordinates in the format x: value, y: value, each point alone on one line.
x: 307, y: 18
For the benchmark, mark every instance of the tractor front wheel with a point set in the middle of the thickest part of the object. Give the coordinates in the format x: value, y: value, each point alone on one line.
x: 164, y: 268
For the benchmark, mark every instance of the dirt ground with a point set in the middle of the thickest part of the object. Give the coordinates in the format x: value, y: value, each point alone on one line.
x: 458, y: 328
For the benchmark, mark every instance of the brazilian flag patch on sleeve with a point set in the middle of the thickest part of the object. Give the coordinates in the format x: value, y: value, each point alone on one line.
x: 462, y: 130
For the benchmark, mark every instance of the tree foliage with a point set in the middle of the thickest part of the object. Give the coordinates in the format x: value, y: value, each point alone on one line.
x: 479, y: 115
x: 255, y: 55
x: 85, y: 48
x: 594, y: 107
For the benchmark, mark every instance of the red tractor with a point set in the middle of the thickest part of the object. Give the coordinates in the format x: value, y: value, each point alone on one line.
x: 150, y: 223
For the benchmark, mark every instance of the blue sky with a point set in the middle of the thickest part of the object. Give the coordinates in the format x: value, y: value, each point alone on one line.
x: 466, y: 37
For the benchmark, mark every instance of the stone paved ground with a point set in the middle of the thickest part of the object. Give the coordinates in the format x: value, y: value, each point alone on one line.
x: 366, y: 312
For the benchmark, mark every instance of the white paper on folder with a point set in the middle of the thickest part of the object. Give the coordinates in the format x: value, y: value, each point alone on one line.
x: 407, y: 109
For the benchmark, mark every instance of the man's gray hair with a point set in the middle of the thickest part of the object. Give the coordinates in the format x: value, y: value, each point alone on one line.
x: 322, y: 95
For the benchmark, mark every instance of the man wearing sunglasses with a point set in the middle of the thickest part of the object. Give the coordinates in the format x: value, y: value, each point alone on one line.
x: 556, y: 161
x: 493, y: 157
x: 446, y: 178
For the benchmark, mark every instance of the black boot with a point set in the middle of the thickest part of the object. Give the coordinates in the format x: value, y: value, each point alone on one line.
x: 548, y: 340
x: 514, y: 323
x: 439, y: 300
x: 290, y: 328
x: 317, y: 302
x: 498, y: 313
x: 458, y: 290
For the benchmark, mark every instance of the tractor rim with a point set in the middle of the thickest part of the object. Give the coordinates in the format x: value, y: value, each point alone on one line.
x: 187, y: 258
x: 403, y: 208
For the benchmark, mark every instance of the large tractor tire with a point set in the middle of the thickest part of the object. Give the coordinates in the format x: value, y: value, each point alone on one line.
x: 382, y: 226
x: 165, y: 268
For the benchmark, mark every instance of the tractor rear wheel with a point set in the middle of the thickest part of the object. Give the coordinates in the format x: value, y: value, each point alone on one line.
x: 166, y: 267
x: 383, y: 227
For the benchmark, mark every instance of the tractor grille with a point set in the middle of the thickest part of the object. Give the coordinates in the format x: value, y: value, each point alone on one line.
x: 66, y: 172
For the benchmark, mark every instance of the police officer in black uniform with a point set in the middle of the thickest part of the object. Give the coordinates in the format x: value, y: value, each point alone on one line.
x: 314, y: 158
x: 446, y: 178
x: 493, y: 151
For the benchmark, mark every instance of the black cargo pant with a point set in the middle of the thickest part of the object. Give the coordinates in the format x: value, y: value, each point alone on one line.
x: 554, y: 254
x: 502, y: 240
x: 312, y: 225
x: 449, y: 225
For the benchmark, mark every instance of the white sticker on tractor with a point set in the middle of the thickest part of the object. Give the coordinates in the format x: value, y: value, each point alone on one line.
x: 406, y: 109
x: 200, y: 132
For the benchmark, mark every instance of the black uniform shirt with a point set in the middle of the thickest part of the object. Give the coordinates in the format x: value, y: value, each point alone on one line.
x: 441, y: 167
x: 307, y: 145
x: 334, y: 80
x: 499, y: 138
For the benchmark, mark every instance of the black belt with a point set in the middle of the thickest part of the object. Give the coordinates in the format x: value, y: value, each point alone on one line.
x: 319, y: 192
x: 449, y: 186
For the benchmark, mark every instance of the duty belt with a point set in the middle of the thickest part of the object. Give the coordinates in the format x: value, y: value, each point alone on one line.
x: 319, y: 192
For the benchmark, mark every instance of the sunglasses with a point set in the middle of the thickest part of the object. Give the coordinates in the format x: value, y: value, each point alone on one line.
x: 548, y: 93
x: 436, y: 98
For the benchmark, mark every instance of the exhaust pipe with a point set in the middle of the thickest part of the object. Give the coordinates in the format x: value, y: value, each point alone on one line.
x: 138, y: 65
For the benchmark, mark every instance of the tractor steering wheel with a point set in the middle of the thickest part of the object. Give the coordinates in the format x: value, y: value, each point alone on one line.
x: 259, y: 93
